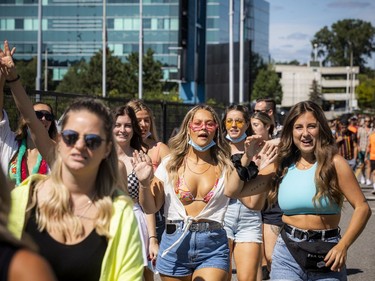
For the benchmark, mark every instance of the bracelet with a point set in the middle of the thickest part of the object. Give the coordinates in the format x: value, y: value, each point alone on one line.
x: 153, y: 237
x: 14, y: 80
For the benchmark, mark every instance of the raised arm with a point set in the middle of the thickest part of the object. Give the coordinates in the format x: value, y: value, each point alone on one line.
x: 39, y: 134
x: 243, y: 181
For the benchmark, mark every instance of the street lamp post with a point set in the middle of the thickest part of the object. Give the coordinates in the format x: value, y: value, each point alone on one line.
x: 104, y: 46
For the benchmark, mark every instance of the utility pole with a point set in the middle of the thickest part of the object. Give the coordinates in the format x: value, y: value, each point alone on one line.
x: 241, y: 62
x: 104, y: 46
x: 140, y: 59
x: 231, y: 74
x: 39, y: 52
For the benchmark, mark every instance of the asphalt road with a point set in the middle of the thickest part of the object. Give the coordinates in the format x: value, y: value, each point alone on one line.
x: 361, y: 255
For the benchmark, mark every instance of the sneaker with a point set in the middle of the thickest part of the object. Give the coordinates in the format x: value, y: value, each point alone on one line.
x: 363, y: 181
x: 368, y: 182
x: 373, y: 192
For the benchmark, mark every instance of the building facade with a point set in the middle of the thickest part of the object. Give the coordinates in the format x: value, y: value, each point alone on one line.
x: 336, y: 85
x: 180, y: 32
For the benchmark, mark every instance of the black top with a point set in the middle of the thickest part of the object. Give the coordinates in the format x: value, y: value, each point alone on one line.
x: 7, y: 252
x: 81, y: 261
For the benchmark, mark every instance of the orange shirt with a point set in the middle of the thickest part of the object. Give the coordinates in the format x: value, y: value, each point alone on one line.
x: 372, y: 146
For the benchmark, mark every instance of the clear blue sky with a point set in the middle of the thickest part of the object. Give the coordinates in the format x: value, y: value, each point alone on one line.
x: 293, y: 24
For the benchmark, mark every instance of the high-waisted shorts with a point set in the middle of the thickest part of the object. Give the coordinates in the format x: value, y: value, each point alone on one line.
x: 196, y: 250
x: 242, y: 224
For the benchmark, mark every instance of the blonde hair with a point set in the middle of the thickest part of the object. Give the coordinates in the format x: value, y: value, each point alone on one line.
x: 56, y: 214
x: 179, y: 146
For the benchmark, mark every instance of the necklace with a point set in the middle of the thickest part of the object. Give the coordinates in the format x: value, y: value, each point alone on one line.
x: 82, y: 215
x: 197, y: 173
x: 305, y: 167
x: 198, y: 164
x: 85, y: 207
x: 21, y: 169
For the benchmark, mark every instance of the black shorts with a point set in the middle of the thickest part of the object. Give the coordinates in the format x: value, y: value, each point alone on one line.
x: 372, y: 165
x: 272, y: 215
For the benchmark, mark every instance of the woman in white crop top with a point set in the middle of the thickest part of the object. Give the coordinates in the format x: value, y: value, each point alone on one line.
x: 307, y: 141
x: 190, y: 183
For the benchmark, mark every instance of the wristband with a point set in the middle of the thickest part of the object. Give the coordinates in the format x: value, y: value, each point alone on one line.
x: 14, y: 80
x: 153, y: 237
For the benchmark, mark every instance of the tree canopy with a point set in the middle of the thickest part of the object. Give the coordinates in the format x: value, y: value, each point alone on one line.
x: 267, y: 85
x: 345, y: 39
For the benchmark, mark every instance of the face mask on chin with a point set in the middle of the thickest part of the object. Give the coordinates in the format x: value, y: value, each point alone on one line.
x: 237, y: 140
x: 199, y: 148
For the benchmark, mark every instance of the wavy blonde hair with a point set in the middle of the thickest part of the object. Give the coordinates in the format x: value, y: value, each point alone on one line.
x: 57, y: 212
x: 179, y: 146
x: 325, y: 176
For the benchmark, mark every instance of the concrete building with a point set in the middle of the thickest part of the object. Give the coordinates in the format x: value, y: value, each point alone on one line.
x: 336, y: 84
x: 189, y: 37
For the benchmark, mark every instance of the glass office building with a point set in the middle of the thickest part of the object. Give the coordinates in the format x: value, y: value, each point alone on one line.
x: 73, y: 30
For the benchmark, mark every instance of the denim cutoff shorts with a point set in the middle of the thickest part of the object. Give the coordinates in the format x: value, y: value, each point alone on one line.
x: 242, y: 224
x: 205, y: 249
x: 284, y: 266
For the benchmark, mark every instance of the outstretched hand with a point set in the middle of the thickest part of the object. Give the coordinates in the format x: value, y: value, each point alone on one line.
x: 266, y: 156
x: 7, y: 66
x: 252, y: 145
x: 142, y: 166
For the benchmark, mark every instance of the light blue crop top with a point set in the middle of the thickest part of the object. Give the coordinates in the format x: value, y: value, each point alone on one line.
x: 296, y: 192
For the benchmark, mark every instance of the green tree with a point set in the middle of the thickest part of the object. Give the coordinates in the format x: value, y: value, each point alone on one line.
x: 347, y: 38
x: 366, y: 92
x: 256, y: 64
x: 316, y: 93
x: 152, y: 73
x: 267, y: 84
x: 74, y: 79
x: 27, y: 71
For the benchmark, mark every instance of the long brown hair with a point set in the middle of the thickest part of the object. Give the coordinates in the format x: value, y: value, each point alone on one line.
x: 21, y: 131
x: 326, y: 176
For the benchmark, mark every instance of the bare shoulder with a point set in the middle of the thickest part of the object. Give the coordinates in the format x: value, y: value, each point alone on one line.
x: 338, y: 161
x: 28, y: 266
x: 164, y: 150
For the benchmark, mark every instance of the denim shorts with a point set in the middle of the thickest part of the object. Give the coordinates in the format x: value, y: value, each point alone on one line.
x: 205, y: 249
x: 284, y: 266
x: 242, y: 224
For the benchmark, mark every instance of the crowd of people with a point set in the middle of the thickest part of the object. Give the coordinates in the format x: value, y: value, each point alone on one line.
x: 104, y: 199
x: 355, y: 140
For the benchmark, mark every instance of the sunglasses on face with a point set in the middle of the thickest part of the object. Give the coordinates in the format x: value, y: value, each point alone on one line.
x: 239, y: 123
x: 43, y: 113
x: 92, y: 141
x: 196, y: 126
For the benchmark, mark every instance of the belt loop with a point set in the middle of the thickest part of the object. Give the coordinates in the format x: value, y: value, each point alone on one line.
x: 323, y: 235
x: 293, y: 230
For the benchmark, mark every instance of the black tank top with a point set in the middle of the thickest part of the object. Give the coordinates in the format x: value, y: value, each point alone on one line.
x: 81, y: 261
x: 6, y: 254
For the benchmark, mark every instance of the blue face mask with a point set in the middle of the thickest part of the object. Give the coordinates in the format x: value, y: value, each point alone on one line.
x: 201, y: 149
x: 237, y: 140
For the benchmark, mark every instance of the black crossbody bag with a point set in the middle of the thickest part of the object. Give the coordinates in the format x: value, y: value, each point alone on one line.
x: 309, y: 255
